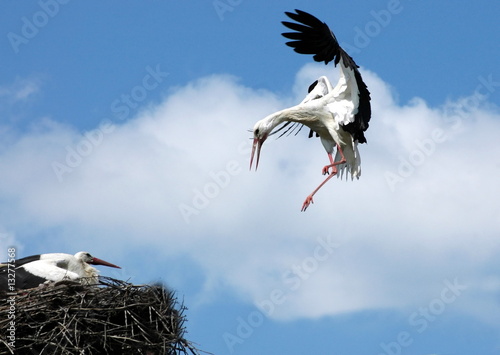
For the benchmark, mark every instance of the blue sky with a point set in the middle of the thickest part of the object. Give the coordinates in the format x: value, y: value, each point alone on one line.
x: 124, y: 132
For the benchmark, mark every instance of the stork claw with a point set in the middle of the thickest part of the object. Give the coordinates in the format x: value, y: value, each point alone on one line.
x: 326, y: 169
x: 307, y: 202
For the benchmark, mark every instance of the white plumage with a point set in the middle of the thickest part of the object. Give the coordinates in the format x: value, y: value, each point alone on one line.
x: 338, y: 115
x: 59, y: 266
x: 34, y: 270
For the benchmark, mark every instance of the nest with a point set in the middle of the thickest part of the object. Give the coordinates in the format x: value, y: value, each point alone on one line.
x: 113, y: 317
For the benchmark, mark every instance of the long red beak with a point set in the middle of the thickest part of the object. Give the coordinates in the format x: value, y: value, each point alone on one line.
x: 257, y: 144
x: 96, y: 261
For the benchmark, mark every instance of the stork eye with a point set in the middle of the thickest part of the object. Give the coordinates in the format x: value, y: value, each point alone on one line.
x: 256, y: 132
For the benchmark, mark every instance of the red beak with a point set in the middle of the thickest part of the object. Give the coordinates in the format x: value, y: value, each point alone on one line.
x: 257, y: 144
x: 96, y: 261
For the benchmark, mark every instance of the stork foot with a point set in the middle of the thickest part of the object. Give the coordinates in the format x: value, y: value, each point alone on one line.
x: 307, y: 202
x: 326, y: 169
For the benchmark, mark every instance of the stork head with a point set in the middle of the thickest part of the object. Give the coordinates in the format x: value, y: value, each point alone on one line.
x: 261, y: 131
x: 89, y: 259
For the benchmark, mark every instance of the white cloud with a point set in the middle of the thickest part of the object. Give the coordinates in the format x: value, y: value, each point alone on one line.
x: 425, y: 209
x: 20, y: 90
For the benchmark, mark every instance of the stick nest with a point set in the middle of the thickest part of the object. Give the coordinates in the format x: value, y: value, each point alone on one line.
x: 113, y: 317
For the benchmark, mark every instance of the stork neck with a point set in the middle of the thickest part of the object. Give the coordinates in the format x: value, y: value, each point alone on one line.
x: 281, y: 116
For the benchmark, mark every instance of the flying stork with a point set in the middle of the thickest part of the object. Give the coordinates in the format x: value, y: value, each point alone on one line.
x: 34, y: 270
x: 338, y: 115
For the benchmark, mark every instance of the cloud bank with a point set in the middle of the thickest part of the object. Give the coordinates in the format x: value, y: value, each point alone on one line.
x: 175, y: 177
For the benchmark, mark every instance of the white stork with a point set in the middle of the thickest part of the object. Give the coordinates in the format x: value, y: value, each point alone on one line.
x: 338, y: 115
x: 34, y: 270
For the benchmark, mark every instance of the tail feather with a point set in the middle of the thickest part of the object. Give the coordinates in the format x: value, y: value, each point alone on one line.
x: 352, y: 166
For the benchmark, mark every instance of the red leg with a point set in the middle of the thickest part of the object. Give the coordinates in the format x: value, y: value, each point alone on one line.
x: 333, y: 165
x: 309, y: 199
x: 326, y: 168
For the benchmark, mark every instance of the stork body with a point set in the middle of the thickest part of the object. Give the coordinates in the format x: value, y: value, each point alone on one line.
x: 338, y: 115
x: 34, y: 270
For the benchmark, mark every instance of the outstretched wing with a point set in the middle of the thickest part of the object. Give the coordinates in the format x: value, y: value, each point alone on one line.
x: 314, y: 37
x: 317, y: 90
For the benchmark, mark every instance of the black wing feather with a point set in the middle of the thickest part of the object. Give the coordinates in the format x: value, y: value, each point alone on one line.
x: 23, y: 280
x: 292, y: 126
x: 315, y: 37
x: 25, y: 260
